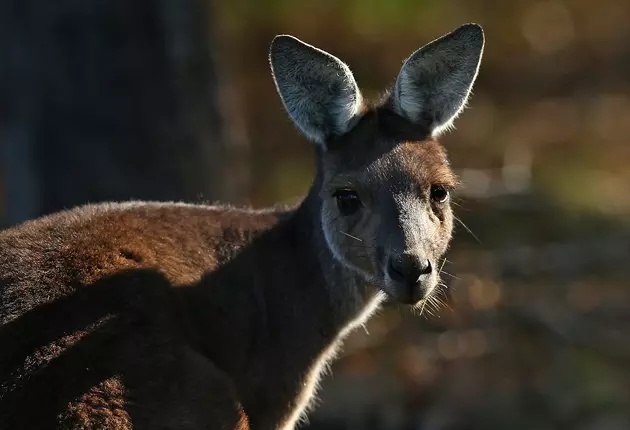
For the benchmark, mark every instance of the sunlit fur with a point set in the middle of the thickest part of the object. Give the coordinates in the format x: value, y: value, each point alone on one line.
x: 322, y: 367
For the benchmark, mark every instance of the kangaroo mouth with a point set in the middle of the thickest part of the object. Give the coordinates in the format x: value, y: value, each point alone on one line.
x: 408, y: 293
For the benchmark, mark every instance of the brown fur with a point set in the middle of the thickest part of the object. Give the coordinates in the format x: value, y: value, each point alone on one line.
x: 91, y: 323
x: 174, y: 316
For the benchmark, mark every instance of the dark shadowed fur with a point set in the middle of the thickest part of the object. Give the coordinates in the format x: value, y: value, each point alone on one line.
x: 174, y: 316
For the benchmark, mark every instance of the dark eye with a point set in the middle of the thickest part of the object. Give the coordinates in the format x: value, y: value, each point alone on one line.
x: 348, y: 201
x: 439, y: 194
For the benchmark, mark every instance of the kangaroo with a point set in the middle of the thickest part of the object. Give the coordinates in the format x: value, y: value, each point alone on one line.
x: 150, y: 315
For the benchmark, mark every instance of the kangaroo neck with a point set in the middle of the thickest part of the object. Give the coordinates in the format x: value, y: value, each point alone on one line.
x: 311, y: 304
x: 268, y: 315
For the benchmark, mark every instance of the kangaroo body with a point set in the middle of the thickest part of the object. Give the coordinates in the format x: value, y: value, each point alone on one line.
x: 175, y: 316
x: 111, y: 293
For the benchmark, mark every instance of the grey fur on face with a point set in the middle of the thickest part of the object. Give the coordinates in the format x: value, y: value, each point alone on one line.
x: 403, y: 223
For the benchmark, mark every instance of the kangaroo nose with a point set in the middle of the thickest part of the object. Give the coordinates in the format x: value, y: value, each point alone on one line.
x: 408, y: 268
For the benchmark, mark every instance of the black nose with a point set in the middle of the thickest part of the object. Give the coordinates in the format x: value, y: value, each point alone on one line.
x: 408, y: 268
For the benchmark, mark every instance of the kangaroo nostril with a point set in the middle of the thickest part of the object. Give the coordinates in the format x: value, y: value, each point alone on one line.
x: 425, y: 267
x: 396, y: 269
x: 408, y: 268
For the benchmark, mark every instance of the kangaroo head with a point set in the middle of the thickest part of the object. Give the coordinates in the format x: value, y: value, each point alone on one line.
x: 383, y: 179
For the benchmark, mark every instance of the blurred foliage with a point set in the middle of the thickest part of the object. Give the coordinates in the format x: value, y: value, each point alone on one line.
x: 531, y: 332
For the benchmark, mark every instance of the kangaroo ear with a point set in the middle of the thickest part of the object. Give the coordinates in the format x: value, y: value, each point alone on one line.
x: 435, y: 81
x: 317, y: 89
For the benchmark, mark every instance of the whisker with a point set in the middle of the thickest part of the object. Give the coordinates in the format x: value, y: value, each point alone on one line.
x: 443, y: 296
x: 442, y: 267
x: 424, y: 302
x: 353, y: 237
x: 448, y: 274
x: 441, y: 306
x: 467, y: 229
x: 434, y: 306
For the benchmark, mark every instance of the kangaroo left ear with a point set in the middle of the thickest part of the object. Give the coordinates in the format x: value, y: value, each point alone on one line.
x: 435, y: 81
x: 317, y: 89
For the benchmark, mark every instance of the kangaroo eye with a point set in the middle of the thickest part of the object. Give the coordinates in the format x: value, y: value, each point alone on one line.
x: 348, y: 201
x: 439, y: 194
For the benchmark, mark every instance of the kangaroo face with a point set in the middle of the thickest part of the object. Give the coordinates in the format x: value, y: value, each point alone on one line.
x: 385, y: 182
x: 390, y: 218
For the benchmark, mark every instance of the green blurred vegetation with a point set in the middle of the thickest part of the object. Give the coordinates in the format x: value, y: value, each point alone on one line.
x: 532, y: 331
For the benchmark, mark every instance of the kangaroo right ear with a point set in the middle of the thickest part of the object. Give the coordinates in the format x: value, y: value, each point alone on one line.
x: 317, y: 89
x: 435, y: 81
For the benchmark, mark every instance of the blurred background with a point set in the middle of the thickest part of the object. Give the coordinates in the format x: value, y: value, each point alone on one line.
x: 157, y: 99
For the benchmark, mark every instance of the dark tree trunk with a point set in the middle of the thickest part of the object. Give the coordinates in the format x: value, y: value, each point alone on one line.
x: 109, y: 100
